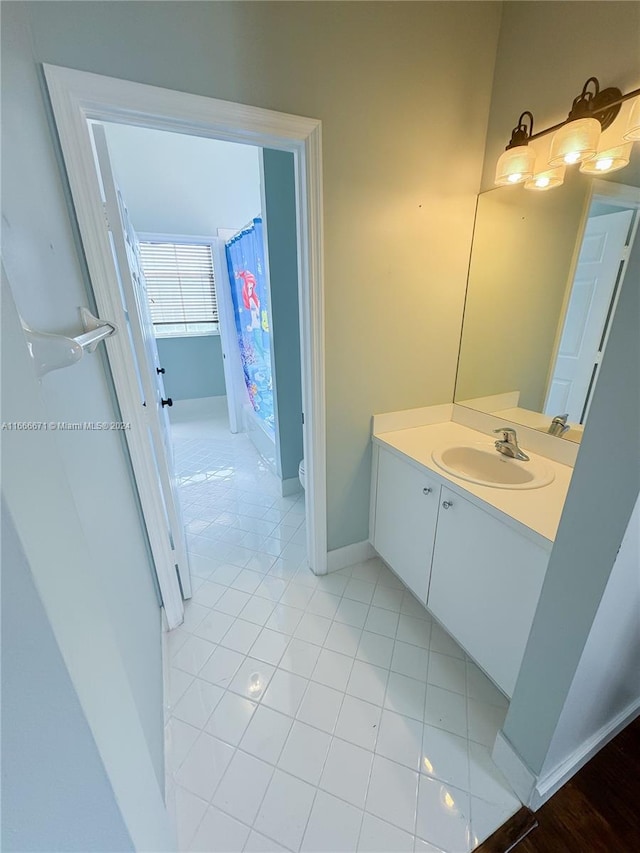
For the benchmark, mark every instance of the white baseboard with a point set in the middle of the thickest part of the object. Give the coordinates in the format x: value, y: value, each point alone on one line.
x: 552, y: 782
x: 290, y: 487
x: 340, y: 558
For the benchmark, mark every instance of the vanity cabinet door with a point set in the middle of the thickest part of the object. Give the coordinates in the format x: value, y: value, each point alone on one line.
x: 485, y: 584
x: 405, y: 521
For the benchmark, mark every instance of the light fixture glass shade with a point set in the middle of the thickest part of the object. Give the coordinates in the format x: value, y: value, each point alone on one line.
x: 515, y: 165
x: 576, y: 142
x: 546, y: 180
x: 609, y: 160
x: 632, y: 133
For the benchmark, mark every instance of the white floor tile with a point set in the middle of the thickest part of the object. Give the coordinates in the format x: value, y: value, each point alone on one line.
x: 285, y: 810
x: 333, y: 827
x: 320, y: 707
x: 252, y: 678
x: 266, y: 734
x: 343, y: 638
x: 358, y: 722
x: 446, y: 710
x: 445, y: 756
x: 444, y: 643
x: 359, y: 590
x: 414, y: 631
x: 231, y: 718
x: 332, y: 669
x: 285, y: 692
x: 392, y: 793
x: 481, y: 688
x: 247, y: 581
x: 486, y: 780
x: 285, y: 619
x: 410, y: 660
x: 375, y: 649
x: 269, y: 646
x: 381, y: 621
x: 346, y: 772
x: 444, y: 816
x: 352, y: 612
x: 258, y: 843
x: 193, y: 655
x: 405, y: 696
x: 198, y: 702
x: 189, y: 812
x: 208, y: 593
x: 400, y: 739
x: 378, y: 836
x: 388, y: 598
x: 305, y: 752
x: 485, y: 721
x: 313, y: 629
x: 179, y: 680
x: 486, y: 817
x: 219, y: 833
x: 368, y: 682
x: 243, y: 787
x: 323, y: 603
x: 240, y: 636
x: 258, y: 610
x: 214, y: 626
x: 232, y: 602
x: 204, y: 766
x: 180, y: 737
x: 447, y: 672
x: 221, y: 666
x: 300, y: 657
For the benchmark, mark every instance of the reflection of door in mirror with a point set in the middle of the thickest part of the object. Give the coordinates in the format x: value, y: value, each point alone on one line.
x: 599, y: 271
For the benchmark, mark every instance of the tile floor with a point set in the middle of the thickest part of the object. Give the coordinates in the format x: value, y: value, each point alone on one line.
x: 313, y: 713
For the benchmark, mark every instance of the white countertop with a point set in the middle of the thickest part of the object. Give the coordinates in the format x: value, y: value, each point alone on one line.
x: 539, y: 510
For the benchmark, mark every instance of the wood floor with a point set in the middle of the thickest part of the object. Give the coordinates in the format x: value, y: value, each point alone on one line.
x: 597, y: 811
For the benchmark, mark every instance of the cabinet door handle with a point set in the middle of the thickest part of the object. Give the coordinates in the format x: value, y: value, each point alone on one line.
x: 446, y: 504
x: 427, y: 490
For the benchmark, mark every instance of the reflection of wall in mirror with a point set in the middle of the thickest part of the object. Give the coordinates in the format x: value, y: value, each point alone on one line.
x: 524, y: 250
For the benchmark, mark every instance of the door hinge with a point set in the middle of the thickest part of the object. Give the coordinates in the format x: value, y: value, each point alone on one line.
x: 302, y: 418
x: 106, y: 215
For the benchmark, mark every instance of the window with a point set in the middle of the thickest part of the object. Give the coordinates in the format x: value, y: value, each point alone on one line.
x: 180, y: 287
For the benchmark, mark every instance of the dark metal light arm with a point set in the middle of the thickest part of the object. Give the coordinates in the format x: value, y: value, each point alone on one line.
x: 602, y: 104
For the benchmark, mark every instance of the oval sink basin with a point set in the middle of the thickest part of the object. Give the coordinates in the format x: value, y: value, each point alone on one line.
x: 483, y: 464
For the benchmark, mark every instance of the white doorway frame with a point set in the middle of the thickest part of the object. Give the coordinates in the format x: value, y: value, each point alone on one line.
x: 78, y: 97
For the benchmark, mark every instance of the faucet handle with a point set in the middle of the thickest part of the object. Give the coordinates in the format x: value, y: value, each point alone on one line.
x: 508, y: 434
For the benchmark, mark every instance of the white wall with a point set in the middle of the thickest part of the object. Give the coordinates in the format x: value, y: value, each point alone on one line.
x: 177, y: 184
x: 607, y: 680
x: 55, y: 792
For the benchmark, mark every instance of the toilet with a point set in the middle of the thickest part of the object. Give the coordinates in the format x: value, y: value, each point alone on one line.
x: 301, y: 474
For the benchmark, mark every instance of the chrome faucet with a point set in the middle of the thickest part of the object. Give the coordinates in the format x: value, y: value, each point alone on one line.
x: 508, y: 445
x: 559, y: 425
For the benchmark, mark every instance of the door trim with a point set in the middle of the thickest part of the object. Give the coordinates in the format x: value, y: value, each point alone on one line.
x: 78, y: 97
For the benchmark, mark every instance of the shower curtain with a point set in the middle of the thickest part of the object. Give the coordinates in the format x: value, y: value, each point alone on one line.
x: 249, y: 292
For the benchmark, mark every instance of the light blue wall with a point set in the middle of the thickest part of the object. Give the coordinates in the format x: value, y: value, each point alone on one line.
x: 280, y: 218
x: 55, y: 792
x: 193, y: 366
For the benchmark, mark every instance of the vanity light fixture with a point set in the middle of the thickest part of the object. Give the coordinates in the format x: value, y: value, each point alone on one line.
x: 574, y: 140
x: 632, y: 132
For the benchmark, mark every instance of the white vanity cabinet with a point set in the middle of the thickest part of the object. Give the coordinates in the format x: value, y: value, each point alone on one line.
x: 485, y: 583
x: 479, y: 576
x: 406, y: 509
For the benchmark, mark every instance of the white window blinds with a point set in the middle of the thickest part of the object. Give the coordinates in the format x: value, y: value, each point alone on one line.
x: 180, y: 283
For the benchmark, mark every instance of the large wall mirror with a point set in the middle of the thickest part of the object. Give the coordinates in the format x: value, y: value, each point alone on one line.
x: 545, y: 275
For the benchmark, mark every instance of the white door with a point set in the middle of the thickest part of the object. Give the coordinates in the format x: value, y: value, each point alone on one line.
x: 126, y: 254
x: 583, y: 333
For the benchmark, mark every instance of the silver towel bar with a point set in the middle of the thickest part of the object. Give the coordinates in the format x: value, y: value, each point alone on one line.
x: 52, y: 352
